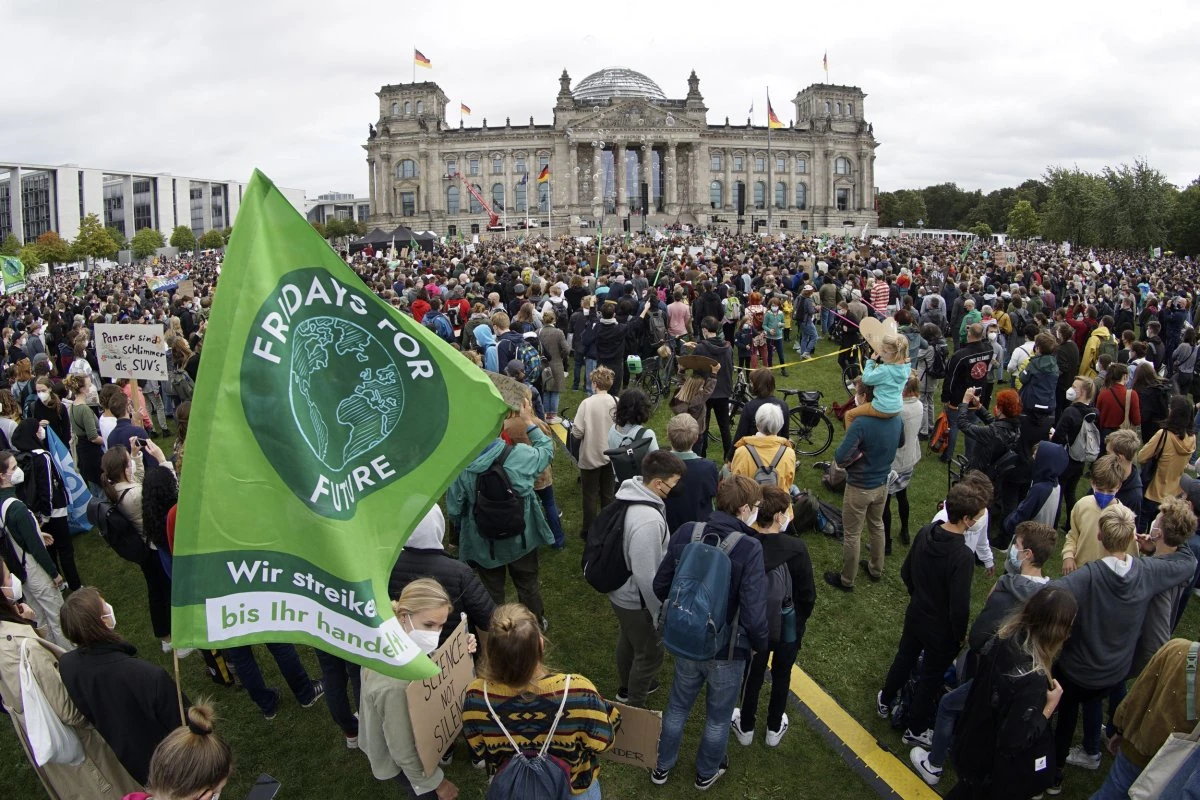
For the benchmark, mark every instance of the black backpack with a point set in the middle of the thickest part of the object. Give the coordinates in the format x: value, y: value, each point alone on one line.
x: 603, y: 559
x: 829, y: 519
x: 937, y: 368
x: 781, y: 608
x: 499, y: 511
x: 627, y: 458
x: 116, y: 529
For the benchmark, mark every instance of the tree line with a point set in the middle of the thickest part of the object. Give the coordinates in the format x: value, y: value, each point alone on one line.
x: 96, y: 241
x: 1128, y: 206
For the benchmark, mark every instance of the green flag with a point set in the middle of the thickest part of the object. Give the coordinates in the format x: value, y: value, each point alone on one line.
x: 331, y: 425
x: 412, y: 247
x: 13, y: 273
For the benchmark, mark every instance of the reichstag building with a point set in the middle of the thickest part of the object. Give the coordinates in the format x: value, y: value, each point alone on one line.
x: 619, y: 147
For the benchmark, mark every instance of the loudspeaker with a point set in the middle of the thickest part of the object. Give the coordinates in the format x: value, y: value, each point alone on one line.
x: 625, y: 224
x: 645, y: 200
x: 741, y: 199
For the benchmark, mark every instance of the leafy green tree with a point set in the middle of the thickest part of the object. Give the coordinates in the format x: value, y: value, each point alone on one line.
x: 339, y: 228
x: 183, y: 238
x: 118, y: 237
x: 93, y: 240
x: 146, y: 241
x: 211, y: 240
x: 319, y: 227
x: 53, y: 248
x: 1074, y: 206
x: 225, y: 234
x: 360, y: 228
x: 1185, y: 221
x: 982, y: 230
x: 10, y: 246
x: 946, y: 205
x: 910, y: 207
x: 31, y: 256
x: 1023, y: 221
x: 1141, y: 203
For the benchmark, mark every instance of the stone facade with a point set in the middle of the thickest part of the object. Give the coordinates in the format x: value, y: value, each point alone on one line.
x: 819, y: 174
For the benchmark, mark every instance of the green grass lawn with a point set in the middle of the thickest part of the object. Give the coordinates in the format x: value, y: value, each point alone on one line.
x: 849, y: 645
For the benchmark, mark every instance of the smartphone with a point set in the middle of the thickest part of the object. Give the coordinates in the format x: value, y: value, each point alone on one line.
x: 141, y: 441
x: 265, y: 788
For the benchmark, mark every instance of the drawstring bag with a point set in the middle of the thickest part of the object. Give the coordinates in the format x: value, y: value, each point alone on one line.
x: 50, y: 740
x: 530, y: 774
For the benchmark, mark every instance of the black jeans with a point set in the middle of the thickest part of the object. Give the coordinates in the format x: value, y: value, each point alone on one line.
x: 288, y: 660
x: 1073, y: 697
x: 1069, y: 482
x: 718, y: 407
x: 338, y: 677
x: 939, y: 654
x: 524, y: 573
x: 63, y: 550
x: 783, y: 657
x: 902, y: 508
x: 158, y: 595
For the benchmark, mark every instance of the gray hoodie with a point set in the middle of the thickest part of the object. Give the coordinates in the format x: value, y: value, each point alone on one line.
x: 646, y: 537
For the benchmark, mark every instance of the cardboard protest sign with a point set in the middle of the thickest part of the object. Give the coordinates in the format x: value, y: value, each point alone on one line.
x: 185, y: 289
x: 435, y: 704
x: 131, y: 351
x: 637, y: 740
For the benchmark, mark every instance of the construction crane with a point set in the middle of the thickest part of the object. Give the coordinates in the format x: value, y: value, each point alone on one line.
x: 493, y: 219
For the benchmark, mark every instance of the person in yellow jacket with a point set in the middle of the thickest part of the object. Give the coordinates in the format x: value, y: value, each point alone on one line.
x: 1091, y: 349
x: 767, y: 445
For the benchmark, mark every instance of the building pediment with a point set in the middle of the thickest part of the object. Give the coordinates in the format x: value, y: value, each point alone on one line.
x: 634, y: 115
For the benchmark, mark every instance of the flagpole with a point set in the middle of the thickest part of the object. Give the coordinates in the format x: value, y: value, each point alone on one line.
x: 414, y: 80
x: 549, y: 205
x: 770, y: 193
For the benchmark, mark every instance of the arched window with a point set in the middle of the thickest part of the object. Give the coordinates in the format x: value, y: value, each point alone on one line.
x: 395, y: 109
x: 839, y: 109
x: 407, y: 108
x: 497, y: 196
x: 475, y: 207
x: 841, y: 166
x: 828, y: 108
x: 716, y: 194
x: 801, y: 196
x: 781, y: 195
x: 519, y: 193
x: 452, y: 199
x: 406, y: 169
x: 760, y: 194
x: 420, y: 107
x: 849, y: 109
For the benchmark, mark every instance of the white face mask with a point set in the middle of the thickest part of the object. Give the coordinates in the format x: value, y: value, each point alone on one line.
x: 109, y: 617
x: 14, y: 589
x: 17, y: 477
x: 752, y: 517
x: 426, y: 641
x: 44, y: 396
x: 992, y: 335
x: 1071, y: 394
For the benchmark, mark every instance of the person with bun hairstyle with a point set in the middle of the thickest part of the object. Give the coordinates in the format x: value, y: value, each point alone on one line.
x: 516, y: 692
x: 385, y: 731
x: 89, y: 445
x: 192, y: 763
x: 132, y: 702
x: 100, y: 775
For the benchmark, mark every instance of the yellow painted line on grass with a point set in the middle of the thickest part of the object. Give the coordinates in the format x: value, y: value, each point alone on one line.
x: 895, y: 774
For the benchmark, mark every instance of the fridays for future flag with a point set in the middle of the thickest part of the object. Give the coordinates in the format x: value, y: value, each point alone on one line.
x: 12, y: 271
x: 329, y: 425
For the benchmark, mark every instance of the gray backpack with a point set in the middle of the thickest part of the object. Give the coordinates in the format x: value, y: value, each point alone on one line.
x: 765, y: 474
x: 1086, y: 446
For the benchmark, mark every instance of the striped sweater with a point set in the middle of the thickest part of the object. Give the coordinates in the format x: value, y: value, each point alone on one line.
x: 587, y: 728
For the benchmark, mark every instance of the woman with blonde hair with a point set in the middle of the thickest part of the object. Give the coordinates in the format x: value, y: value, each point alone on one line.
x: 100, y: 774
x: 192, y: 763
x: 385, y: 730
x: 85, y: 430
x: 518, y: 704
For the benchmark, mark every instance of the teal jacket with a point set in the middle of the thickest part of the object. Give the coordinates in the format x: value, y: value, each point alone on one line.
x: 524, y: 465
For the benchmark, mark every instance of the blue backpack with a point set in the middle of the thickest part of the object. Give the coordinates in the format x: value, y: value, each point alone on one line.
x: 531, y: 774
x: 693, y: 617
x: 439, y: 324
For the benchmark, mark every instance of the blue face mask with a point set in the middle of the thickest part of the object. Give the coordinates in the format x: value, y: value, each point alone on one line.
x: 1014, y: 556
x: 1103, y: 498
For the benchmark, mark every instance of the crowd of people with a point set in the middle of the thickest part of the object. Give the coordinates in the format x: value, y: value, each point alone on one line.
x: 1052, y: 367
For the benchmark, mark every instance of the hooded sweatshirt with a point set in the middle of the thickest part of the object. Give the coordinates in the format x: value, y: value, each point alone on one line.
x: 779, y: 548
x: 487, y: 341
x: 1172, y: 459
x: 937, y: 572
x: 1011, y: 591
x: 1041, y: 501
x: 1099, y: 652
x: 1071, y: 422
x: 645, y: 543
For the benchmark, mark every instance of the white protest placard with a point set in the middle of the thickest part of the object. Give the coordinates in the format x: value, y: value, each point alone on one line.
x: 132, y: 351
x: 636, y: 743
x: 435, y: 704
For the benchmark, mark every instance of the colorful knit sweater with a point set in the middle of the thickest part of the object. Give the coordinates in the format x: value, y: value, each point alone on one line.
x: 587, y: 728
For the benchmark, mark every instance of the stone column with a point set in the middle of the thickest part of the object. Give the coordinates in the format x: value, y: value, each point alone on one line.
x: 646, y: 176
x: 16, y: 205
x: 371, y: 185
x: 510, y: 191
x: 572, y: 177
x: 864, y: 183
x: 670, y: 181
x: 730, y: 195
x: 619, y: 180
x: 386, y: 183
x: 205, y: 208
x: 597, y: 182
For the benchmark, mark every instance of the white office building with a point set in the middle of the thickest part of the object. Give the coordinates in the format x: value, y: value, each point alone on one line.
x: 338, y: 205
x: 57, y: 198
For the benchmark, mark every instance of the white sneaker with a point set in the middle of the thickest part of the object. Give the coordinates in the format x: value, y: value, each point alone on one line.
x: 1078, y: 757
x: 745, y: 738
x: 351, y: 742
x: 919, y: 757
x: 924, y: 739
x: 775, y: 737
x: 167, y: 647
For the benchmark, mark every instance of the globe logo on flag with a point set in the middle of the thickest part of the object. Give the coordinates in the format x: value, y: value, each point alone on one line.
x: 343, y: 398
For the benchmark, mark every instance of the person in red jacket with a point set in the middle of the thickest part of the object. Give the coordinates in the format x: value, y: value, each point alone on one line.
x: 1110, y: 402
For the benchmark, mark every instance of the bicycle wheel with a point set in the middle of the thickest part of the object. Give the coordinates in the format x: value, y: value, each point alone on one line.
x: 850, y: 374
x: 812, y: 432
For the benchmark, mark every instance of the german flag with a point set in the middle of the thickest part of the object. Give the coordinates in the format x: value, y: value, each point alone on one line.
x: 772, y: 120
x: 544, y: 175
x: 464, y: 108
x: 420, y: 60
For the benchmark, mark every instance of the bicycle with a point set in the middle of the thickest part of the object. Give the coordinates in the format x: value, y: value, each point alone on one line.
x: 853, y: 369
x: 655, y: 379
x: 811, y: 428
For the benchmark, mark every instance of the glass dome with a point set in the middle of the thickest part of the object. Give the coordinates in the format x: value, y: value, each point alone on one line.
x: 615, y: 82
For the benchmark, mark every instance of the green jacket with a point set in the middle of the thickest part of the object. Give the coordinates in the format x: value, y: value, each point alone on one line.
x: 524, y: 465
x: 21, y: 525
x: 969, y: 319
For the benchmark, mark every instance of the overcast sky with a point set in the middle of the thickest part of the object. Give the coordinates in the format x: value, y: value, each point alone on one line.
x: 985, y: 97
